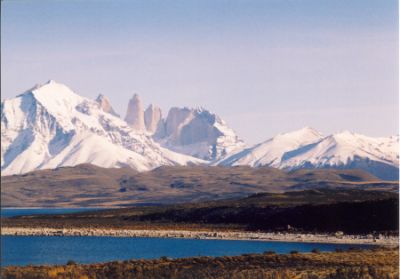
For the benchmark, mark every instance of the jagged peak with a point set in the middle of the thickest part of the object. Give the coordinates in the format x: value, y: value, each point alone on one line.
x: 36, y: 89
x: 56, y: 90
x: 153, y: 107
x: 135, y: 113
x: 135, y: 96
x: 101, y: 97
x: 105, y: 104
x: 181, y: 108
x: 200, y: 109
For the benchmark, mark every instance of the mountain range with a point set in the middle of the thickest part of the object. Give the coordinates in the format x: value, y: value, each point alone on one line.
x: 50, y: 126
x: 307, y: 148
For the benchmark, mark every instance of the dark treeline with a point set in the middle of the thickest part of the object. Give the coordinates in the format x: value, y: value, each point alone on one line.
x: 327, y: 211
x: 349, y: 217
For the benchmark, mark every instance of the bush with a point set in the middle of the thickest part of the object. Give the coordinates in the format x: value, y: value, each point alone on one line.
x: 71, y: 262
x: 355, y: 249
x: 269, y: 252
x: 338, y: 250
x: 293, y: 252
x: 315, y: 250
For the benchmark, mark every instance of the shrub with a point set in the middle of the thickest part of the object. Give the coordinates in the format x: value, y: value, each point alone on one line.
x: 53, y: 273
x: 269, y: 252
x: 315, y: 250
x: 354, y: 249
x: 294, y: 252
x: 71, y: 262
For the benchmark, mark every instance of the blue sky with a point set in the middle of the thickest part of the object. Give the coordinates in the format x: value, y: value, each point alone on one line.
x: 264, y: 66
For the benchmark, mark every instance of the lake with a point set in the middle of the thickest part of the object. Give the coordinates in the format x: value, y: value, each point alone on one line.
x: 23, y: 250
x: 36, y: 250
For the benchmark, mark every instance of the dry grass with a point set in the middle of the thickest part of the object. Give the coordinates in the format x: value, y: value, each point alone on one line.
x: 368, y: 264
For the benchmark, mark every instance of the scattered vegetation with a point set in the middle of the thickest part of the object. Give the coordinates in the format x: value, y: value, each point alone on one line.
x: 371, y: 264
x: 323, y: 210
x: 269, y: 253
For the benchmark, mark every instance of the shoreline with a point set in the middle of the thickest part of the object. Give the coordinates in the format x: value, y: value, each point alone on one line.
x: 88, y: 208
x: 191, y: 234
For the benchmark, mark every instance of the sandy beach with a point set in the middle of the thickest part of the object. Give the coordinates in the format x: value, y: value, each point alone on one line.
x: 233, y: 235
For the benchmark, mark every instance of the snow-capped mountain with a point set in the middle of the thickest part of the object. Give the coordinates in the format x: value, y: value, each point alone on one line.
x: 192, y: 131
x: 197, y: 132
x: 271, y: 152
x: 378, y: 156
x: 307, y: 148
x: 50, y: 126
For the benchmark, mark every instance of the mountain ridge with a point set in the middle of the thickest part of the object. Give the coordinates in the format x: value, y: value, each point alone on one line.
x: 307, y: 148
x: 50, y: 126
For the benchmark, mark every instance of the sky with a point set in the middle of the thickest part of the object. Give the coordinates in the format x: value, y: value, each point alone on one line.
x: 265, y: 67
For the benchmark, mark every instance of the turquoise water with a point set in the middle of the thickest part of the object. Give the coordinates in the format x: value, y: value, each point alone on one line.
x: 24, y: 250
x: 36, y: 250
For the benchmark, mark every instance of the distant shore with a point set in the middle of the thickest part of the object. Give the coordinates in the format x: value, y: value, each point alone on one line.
x: 232, y: 235
x: 56, y: 207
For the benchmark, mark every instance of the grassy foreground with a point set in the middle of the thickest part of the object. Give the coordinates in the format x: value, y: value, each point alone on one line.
x: 378, y: 263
